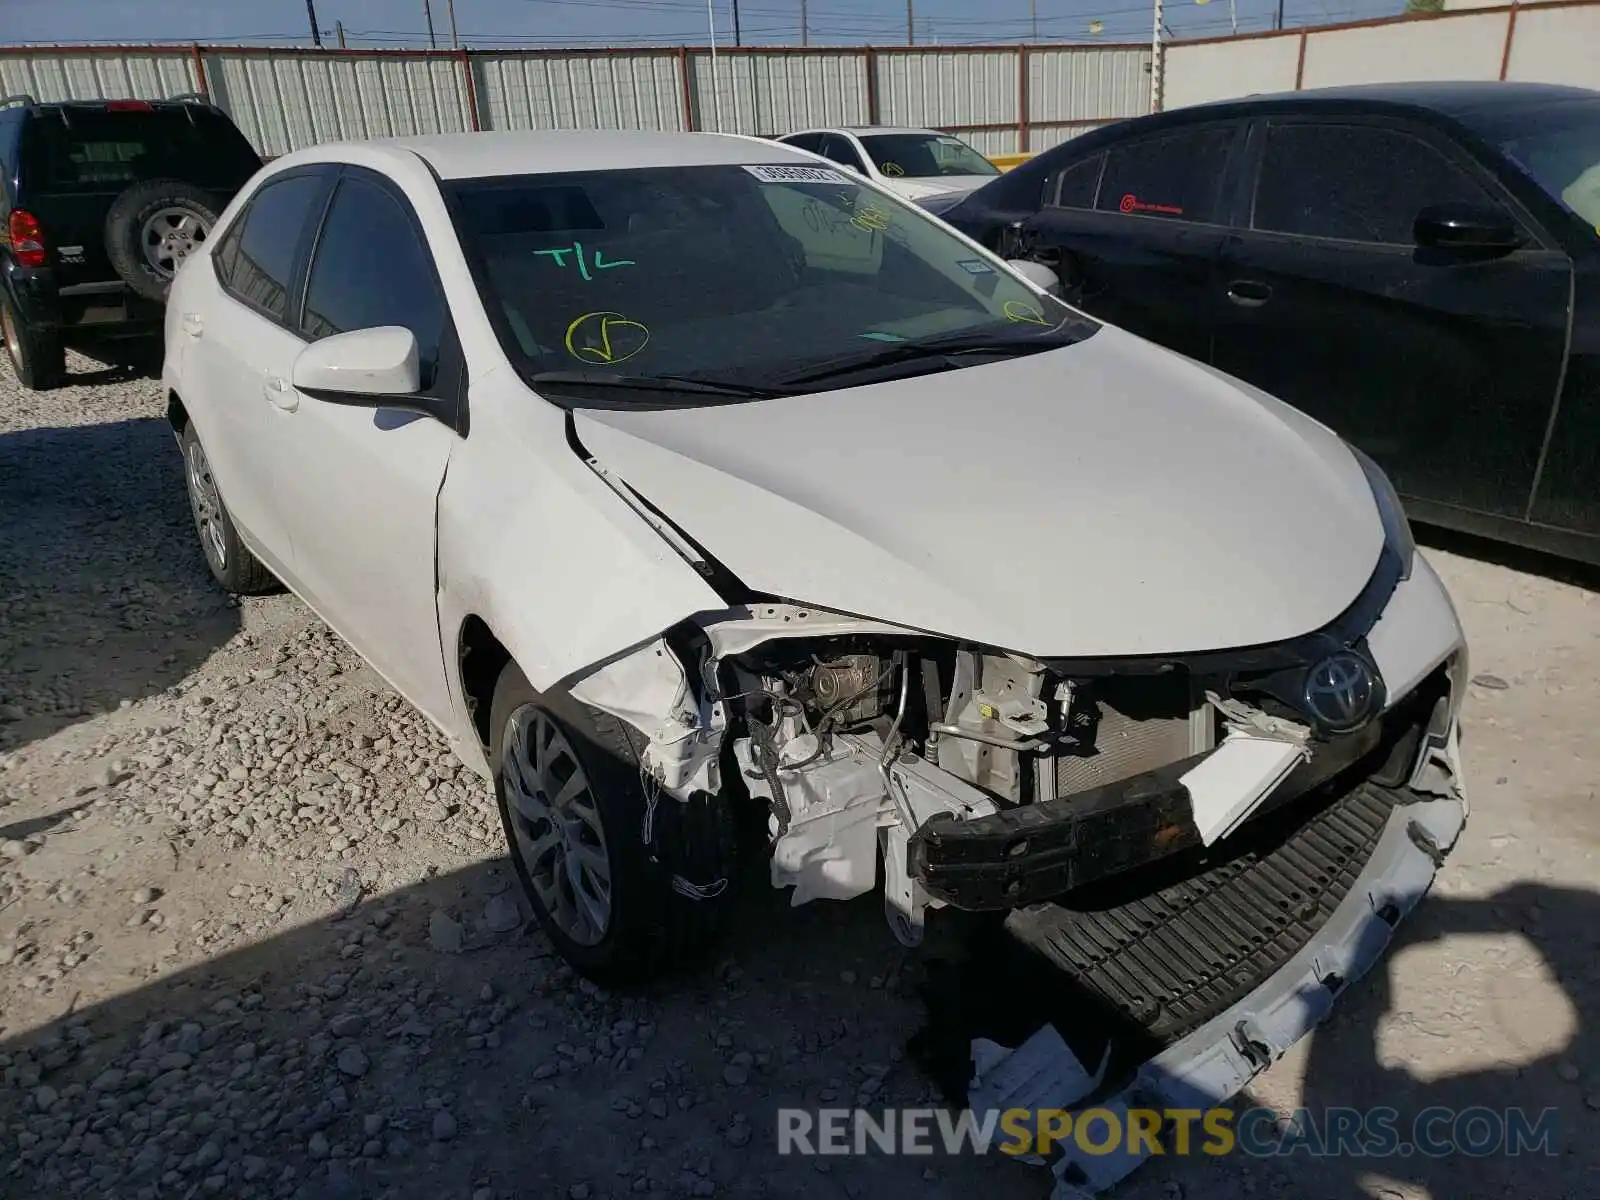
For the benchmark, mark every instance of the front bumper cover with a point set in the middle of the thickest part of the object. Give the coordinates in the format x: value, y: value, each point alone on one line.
x: 1217, y: 1060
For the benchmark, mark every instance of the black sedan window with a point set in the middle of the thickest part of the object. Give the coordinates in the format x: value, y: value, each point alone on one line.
x: 1359, y: 183
x: 1174, y: 176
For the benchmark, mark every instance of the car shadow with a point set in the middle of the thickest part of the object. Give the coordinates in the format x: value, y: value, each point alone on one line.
x: 1512, y: 557
x: 1553, y: 934
x: 119, y: 360
x: 324, y: 1051
x: 104, y: 593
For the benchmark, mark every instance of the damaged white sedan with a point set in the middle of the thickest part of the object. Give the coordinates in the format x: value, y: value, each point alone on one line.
x: 716, y: 503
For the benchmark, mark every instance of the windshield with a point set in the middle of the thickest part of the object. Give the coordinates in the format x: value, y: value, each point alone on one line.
x: 742, y: 275
x: 924, y: 155
x: 1560, y: 150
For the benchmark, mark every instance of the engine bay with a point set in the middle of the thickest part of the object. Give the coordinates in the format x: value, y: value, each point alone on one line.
x: 981, y: 780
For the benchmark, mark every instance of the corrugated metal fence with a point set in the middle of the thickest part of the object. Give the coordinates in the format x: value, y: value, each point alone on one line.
x: 1003, y: 99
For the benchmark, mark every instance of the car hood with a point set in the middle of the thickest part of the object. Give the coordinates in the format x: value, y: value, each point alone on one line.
x: 922, y: 189
x: 1108, y: 498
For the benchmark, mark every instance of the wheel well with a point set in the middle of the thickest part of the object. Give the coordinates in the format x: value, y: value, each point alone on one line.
x: 177, y: 415
x: 481, y: 658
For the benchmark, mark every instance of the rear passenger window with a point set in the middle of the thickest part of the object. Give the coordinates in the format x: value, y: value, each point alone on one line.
x: 1175, y: 176
x: 1074, y: 186
x: 257, y: 268
x: 1358, y: 183
x: 372, y: 269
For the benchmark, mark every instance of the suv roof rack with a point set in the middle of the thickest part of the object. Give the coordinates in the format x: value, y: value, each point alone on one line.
x: 19, y: 98
x: 191, y: 98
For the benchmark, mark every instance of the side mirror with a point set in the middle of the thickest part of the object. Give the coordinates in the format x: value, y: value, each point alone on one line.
x: 1463, y: 227
x: 371, y: 368
x: 1036, y: 273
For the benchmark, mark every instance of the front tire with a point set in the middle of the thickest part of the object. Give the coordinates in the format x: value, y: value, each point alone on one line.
x: 232, y: 565
x: 573, y: 803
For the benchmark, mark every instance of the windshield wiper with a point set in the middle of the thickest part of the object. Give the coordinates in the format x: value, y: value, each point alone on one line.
x: 906, y: 352
x: 658, y: 383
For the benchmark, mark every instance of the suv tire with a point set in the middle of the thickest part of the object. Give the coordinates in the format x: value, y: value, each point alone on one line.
x: 232, y: 565
x: 36, y: 355
x: 152, y: 228
x: 665, y: 900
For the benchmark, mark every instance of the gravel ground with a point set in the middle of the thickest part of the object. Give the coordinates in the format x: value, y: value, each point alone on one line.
x: 257, y: 938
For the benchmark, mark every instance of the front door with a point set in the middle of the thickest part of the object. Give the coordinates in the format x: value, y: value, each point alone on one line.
x: 1134, y: 233
x: 360, y: 487
x: 1443, y: 366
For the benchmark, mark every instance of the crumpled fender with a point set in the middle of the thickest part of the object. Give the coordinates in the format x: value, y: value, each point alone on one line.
x: 535, y: 544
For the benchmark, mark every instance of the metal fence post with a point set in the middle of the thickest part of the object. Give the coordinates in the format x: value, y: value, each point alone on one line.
x: 201, y: 84
x: 1022, y: 98
x: 685, y: 84
x: 472, y: 91
x: 1511, y: 36
x: 870, y: 57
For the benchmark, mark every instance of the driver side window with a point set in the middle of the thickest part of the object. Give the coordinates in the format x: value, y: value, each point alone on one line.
x: 371, y: 268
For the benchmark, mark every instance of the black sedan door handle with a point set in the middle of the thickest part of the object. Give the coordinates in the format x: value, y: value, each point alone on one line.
x: 1247, y: 293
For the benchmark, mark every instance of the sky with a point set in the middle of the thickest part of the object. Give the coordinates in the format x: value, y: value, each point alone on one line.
x: 486, y: 23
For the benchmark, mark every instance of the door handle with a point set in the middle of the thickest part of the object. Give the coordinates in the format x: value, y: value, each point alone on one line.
x: 1247, y: 293
x: 278, y: 391
x: 192, y: 324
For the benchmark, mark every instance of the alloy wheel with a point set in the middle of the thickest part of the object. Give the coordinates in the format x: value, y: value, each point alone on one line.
x: 557, y: 832
x: 207, y: 506
x: 170, y: 235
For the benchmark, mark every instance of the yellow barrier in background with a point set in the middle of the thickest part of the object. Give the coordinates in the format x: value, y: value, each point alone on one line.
x: 1006, y: 161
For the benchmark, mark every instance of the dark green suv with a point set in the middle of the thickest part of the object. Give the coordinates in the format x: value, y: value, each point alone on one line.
x: 100, y: 203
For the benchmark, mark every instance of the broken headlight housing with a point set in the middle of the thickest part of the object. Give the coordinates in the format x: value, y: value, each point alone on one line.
x: 1397, y: 533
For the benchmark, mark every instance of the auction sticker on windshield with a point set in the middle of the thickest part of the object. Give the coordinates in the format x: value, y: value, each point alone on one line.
x: 775, y: 174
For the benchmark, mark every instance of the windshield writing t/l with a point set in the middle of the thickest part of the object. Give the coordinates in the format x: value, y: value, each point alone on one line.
x: 596, y: 259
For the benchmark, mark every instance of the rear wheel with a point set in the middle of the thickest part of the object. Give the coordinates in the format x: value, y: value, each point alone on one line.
x: 232, y: 565
x: 37, y: 355
x: 625, y: 887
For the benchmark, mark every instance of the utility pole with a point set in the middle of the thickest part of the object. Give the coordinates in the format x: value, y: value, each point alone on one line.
x: 805, y: 33
x: 1156, y: 63
x: 455, y: 38
x: 911, y: 24
x: 316, y: 34
x: 738, y: 39
x: 1277, y: 22
x: 427, y: 11
x: 1033, y: 17
x: 338, y: 29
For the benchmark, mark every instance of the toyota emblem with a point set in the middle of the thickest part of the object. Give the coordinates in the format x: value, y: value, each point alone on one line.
x: 1341, y: 692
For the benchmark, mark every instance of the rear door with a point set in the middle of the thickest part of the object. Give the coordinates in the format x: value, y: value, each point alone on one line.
x: 1134, y: 231
x: 238, y: 349
x: 76, y: 161
x: 1442, y: 367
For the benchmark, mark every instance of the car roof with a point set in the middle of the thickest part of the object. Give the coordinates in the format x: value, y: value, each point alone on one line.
x: 868, y: 130
x: 545, y: 151
x: 1463, y: 100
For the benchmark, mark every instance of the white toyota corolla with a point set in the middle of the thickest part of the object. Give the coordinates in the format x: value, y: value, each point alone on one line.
x: 683, y: 479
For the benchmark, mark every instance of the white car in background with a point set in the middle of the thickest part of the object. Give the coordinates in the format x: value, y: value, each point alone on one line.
x: 713, y: 501
x: 915, y: 163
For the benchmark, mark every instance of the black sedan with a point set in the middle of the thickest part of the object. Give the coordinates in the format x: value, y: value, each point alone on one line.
x: 1416, y: 266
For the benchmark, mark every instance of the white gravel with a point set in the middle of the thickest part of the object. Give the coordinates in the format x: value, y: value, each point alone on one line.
x: 257, y: 938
